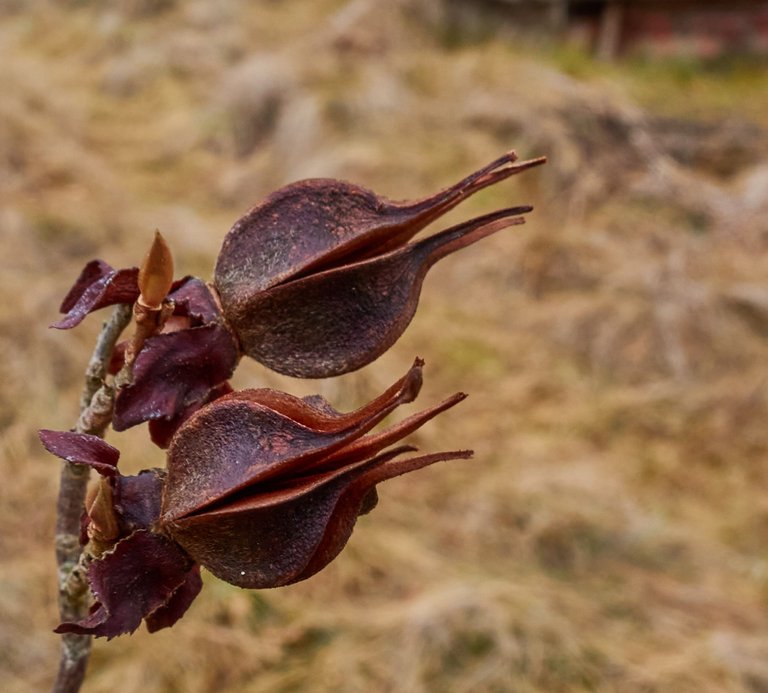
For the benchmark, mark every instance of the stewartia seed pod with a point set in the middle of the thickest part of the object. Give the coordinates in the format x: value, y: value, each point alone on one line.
x: 263, y: 489
x: 319, y: 279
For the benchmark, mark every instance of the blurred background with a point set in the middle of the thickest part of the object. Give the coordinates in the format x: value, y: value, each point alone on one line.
x: 611, y: 533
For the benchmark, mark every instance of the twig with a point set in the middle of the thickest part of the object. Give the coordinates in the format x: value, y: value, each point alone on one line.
x: 96, y: 404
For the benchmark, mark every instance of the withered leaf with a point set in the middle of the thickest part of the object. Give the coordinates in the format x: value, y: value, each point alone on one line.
x: 137, y: 499
x: 98, y: 286
x: 139, y: 576
x: 193, y: 299
x: 82, y: 448
x: 173, y: 371
x: 166, y: 615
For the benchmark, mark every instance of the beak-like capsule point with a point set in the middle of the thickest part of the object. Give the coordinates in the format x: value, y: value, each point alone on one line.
x: 156, y: 273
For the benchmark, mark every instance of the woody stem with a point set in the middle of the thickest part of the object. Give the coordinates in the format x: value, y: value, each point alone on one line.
x: 96, y: 405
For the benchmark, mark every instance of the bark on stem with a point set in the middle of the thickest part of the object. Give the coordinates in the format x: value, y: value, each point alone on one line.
x: 95, y: 414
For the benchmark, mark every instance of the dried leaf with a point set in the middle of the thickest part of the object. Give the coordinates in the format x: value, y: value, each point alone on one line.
x: 173, y: 371
x: 193, y: 299
x: 167, y: 615
x: 137, y: 499
x: 138, y: 577
x: 98, y: 286
x: 82, y: 448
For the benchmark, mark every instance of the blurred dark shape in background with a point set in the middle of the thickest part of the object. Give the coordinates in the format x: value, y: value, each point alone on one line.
x: 609, y: 28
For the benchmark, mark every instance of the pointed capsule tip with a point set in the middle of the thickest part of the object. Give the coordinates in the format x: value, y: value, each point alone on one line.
x: 156, y: 273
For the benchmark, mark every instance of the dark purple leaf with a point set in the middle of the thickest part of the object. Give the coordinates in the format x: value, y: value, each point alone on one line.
x: 97, y: 286
x: 167, y: 615
x: 173, y: 371
x: 194, y: 300
x: 93, y: 272
x: 82, y: 448
x: 137, y: 499
x: 138, y: 577
x: 161, y: 431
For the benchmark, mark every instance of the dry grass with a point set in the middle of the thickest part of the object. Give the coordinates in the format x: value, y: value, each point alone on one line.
x: 611, y: 534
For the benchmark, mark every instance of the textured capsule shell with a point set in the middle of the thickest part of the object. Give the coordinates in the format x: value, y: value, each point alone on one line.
x: 263, y: 489
x: 295, y: 228
x: 311, y: 230
x: 282, y: 536
x: 256, y: 435
x: 340, y: 320
x: 268, y: 545
x: 319, y: 223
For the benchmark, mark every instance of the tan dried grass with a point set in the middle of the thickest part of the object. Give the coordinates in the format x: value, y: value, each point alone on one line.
x: 610, y: 534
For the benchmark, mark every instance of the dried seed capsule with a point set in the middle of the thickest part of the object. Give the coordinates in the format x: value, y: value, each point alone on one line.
x: 318, y: 280
x: 263, y: 489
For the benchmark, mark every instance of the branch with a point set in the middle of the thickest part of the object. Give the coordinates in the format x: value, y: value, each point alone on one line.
x: 96, y: 403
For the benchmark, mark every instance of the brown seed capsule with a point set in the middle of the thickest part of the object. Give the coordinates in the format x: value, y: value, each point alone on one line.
x: 263, y: 489
x: 319, y: 279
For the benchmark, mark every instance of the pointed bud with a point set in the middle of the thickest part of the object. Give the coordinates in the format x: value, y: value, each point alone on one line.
x: 100, y: 506
x: 156, y: 273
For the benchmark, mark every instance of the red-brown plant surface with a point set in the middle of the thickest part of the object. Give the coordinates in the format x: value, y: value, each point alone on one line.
x: 261, y: 488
